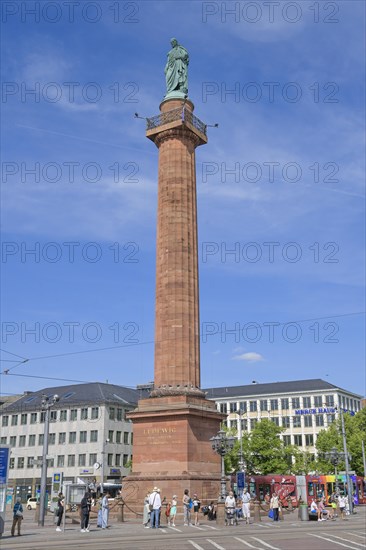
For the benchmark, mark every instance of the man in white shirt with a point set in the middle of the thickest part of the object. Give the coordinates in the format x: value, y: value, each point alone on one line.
x: 155, y: 505
x: 245, y: 499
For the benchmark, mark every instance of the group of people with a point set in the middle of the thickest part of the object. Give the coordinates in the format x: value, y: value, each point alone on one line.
x: 85, y: 509
x: 236, y: 508
x: 336, y: 501
x: 153, y: 505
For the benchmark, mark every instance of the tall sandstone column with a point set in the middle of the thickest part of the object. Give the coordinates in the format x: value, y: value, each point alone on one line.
x: 173, y: 427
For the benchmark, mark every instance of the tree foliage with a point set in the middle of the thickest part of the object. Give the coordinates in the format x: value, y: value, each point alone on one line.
x: 265, y: 453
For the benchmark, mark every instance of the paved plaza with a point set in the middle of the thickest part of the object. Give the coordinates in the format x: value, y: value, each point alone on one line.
x: 290, y: 534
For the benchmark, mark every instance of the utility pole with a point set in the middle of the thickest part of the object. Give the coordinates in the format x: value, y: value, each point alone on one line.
x: 363, y: 458
x: 46, y: 405
x: 346, y: 458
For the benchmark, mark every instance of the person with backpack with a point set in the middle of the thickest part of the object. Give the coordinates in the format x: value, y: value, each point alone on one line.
x: 85, y: 506
x: 187, y: 505
x: 17, y: 516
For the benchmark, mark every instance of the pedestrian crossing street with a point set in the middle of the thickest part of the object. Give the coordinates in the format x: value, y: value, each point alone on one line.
x: 321, y: 539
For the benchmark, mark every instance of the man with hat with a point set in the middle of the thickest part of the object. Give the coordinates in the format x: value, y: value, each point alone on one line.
x: 155, y: 505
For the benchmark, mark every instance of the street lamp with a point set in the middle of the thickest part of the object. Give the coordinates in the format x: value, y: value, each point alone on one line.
x: 222, y: 444
x: 103, y: 464
x: 46, y: 405
x: 335, y: 457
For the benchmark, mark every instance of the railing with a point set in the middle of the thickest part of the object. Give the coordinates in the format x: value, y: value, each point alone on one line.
x: 176, y: 114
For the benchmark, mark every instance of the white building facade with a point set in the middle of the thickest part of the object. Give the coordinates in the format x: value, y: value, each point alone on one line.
x: 303, y: 407
x: 88, y: 434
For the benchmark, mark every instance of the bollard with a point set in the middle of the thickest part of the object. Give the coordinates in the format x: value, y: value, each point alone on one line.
x: 256, y: 510
x: 220, y: 513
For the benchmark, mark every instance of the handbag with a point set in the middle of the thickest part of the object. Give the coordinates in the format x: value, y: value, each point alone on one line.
x: 19, y: 514
x: 270, y: 514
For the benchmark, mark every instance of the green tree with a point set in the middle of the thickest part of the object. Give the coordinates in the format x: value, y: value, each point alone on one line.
x: 268, y: 453
x: 355, y: 430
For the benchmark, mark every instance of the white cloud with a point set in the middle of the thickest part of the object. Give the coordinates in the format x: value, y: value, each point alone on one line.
x: 250, y: 356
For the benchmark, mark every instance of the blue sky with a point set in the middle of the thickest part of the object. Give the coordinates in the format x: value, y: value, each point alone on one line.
x: 280, y: 183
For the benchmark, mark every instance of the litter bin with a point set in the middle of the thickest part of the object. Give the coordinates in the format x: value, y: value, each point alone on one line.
x: 303, y: 512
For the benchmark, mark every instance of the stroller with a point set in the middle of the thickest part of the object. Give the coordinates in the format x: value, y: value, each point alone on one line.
x: 230, y: 516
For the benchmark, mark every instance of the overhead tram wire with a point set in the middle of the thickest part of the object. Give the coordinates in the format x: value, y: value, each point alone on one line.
x: 148, y: 342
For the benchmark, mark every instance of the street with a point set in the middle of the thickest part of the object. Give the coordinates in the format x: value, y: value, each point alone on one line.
x: 290, y: 534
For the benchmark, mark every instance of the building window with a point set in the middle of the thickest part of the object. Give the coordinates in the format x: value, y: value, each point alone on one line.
x: 308, y: 421
x: 275, y: 420
x: 110, y: 436
x: 125, y: 438
x: 93, y: 436
x: 233, y: 407
x: 82, y: 460
x: 274, y: 404
x: 125, y: 460
x: 244, y: 424
x: 285, y: 403
x: 5, y: 420
x: 11, y: 464
x: 13, y: 441
x: 118, y: 437
x: 330, y: 418
x: 243, y: 406
x: 119, y: 414
x: 82, y: 437
x: 285, y: 421
x: 306, y: 402
x: 60, y: 461
x: 22, y: 441
x: 263, y: 404
x: 297, y: 421
x: 63, y: 415
x: 50, y: 462
x: 3, y: 440
x: 112, y: 413
x: 110, y: 459
x: 296, y: 402
x: 298, y: 440
x: 253, y: 406
x: 329, y: 400
x: 95, y: 413
x: 32, y: 440
x: 20, y: 463
x: 319, y: 420
x: 309, y: 440
x: 84, y: 413
x: 14, y: 419
x: 72, y: 437
x: 118, y: 460
x: 318, y: 401
x: 33, y: 418
x: 40, y: 439
x: 71, y: 460
x: 52, y: 439
x: 286, y: 440
x: 30, y: 461
x: 62, y: 438
x: 73, y: 414
x: 53, y: 416
x: 42, y: 417
x: 23, y: 419
x: 92, y: 459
